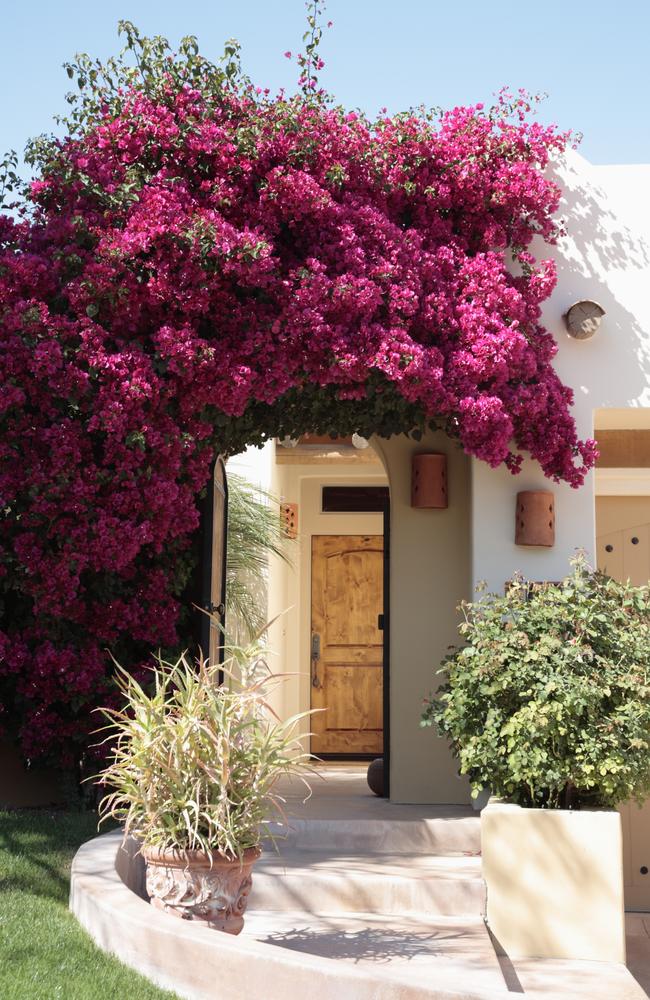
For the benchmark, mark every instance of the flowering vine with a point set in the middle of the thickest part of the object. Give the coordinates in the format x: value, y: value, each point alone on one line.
x: 199, y: 265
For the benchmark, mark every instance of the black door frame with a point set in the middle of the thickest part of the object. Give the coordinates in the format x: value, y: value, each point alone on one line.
x: 207, y: 530
x: 386, y: 647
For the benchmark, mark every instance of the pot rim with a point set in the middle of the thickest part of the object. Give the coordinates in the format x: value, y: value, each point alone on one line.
x: 175, y: 858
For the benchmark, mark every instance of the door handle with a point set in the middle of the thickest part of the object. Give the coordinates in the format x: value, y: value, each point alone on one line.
x: 315, y: 657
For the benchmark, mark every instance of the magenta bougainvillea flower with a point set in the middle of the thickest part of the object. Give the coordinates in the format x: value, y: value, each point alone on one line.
x: 191, y: 263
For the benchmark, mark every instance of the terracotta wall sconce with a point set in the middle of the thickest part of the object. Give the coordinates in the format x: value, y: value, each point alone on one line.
x: 535, y: 518
x: 429, y: 481
x: 289, y: 519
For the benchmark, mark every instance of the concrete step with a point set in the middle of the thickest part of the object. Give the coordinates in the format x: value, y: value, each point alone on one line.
x: 393, y: 829
x: 434, y: 952
x: 322, y: 881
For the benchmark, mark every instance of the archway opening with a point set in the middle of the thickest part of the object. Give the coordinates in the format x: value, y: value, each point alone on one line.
x: 329, y: 602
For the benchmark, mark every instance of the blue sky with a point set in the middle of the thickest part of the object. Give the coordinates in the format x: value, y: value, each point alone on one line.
x: 591, y: 56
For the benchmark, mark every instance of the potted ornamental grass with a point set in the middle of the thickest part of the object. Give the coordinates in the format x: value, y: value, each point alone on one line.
x: 547, y: 704
x: 193, y: 774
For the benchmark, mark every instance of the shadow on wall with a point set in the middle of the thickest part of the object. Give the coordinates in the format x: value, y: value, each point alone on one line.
x: 602, y: 258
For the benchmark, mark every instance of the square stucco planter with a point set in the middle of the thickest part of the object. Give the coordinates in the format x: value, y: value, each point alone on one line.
x: 554, y: 882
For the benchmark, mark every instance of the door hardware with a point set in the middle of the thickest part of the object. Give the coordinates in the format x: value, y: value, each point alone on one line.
x: 315, y: 657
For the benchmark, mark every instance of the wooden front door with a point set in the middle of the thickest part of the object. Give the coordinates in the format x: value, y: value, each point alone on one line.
x: 347, y: 644
x: 623, y: 549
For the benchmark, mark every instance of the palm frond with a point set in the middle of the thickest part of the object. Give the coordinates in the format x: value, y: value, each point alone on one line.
x: 255, y: 534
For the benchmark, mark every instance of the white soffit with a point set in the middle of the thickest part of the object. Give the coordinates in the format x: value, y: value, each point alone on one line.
x: 622, y: 482
x: 632, y: 418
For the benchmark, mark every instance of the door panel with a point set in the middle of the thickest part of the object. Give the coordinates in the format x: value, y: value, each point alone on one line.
x: 635, y: 555
x: 352, y: 704
x: 625, y: 555
x: 636, y: 855
x: 609, y: 550
x: 347, y: 673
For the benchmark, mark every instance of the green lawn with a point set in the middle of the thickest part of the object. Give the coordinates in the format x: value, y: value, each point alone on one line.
x: 44, y: 953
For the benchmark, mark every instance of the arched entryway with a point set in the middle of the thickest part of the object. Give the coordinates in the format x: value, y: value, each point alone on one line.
x: 425, y: 561
x: 331, y: 636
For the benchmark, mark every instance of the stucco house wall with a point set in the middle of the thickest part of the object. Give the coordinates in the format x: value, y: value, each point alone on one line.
x: 604, y: 257
x: 430, y: 560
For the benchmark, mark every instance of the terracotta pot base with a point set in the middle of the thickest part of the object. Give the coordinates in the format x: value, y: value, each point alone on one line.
x: 211, y: 888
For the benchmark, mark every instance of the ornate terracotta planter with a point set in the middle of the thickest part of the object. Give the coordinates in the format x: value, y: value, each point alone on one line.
x: 213, y: 888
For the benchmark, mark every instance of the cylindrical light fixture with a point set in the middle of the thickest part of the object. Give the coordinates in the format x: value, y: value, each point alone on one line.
x: 535, y: 518
x: 429, y: 481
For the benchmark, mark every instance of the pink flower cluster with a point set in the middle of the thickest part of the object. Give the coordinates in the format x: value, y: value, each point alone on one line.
x: 188, y: 257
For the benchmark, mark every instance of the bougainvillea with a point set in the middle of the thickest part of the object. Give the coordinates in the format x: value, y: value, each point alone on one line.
x: 199, y: 265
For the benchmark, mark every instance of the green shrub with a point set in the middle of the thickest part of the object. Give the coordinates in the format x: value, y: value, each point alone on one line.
x: 194, y: 764
x: 548, y: 701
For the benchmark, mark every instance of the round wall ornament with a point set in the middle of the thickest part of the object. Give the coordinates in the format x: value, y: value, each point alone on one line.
x: 583, y: 318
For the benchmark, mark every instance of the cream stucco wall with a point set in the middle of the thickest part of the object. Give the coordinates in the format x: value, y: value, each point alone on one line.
x: 554, y: 882
x: 606, y: 257
x: 429, y: 574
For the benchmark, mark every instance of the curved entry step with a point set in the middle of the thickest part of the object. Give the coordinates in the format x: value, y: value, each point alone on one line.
x: 322, y: 881
x: 453, y: 953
